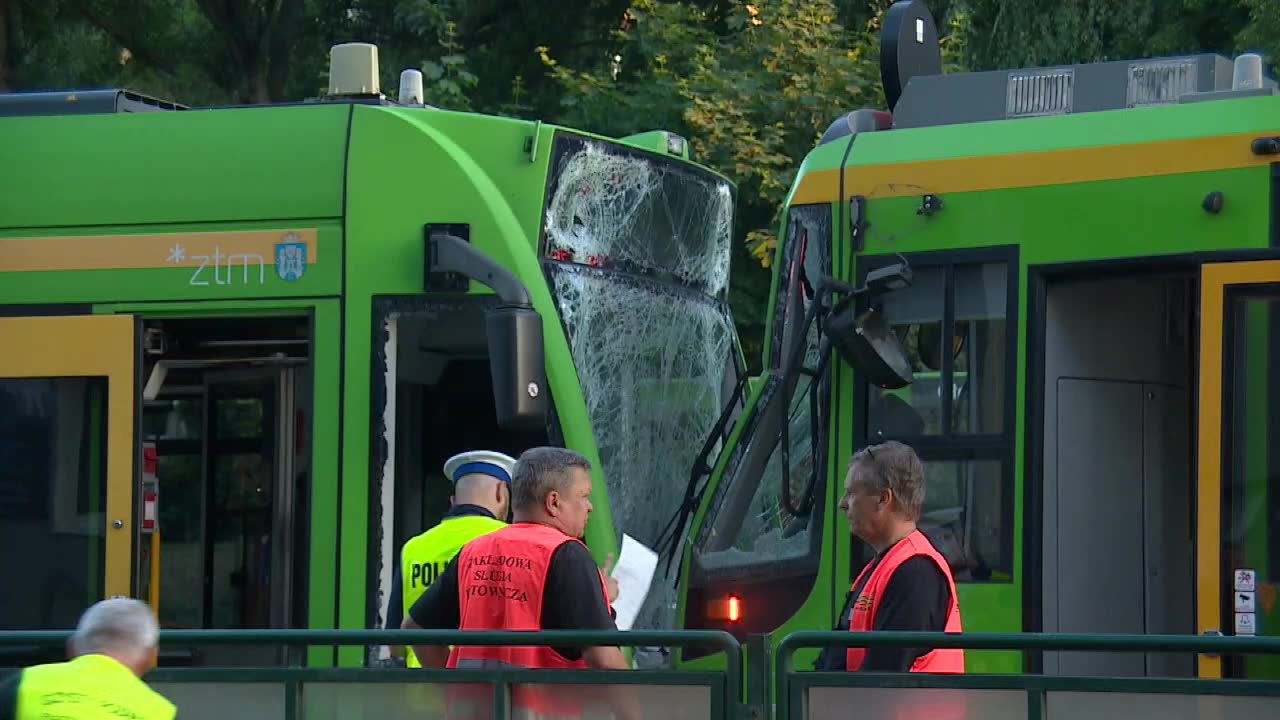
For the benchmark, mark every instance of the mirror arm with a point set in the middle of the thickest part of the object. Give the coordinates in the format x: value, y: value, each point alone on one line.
x: 450, y: 253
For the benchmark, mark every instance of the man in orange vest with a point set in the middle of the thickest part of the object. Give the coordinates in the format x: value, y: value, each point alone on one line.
x: 908, y: 585
x: 535, y: 574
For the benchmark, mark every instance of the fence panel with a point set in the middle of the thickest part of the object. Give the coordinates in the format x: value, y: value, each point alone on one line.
x: 298, y: 693
x: 913, y: 696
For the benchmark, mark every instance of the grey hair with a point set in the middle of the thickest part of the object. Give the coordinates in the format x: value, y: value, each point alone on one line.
x: 540, y: 470
x: 894, y: 466
x: 118, y: 626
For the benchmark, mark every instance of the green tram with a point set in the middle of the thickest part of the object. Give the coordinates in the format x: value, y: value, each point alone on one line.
x: 237, y: 344
x: 1093, y: 324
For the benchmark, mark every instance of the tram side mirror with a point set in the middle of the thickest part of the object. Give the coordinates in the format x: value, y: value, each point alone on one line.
x: 864, y: 340
x: 514, y: 328
x: 517, y: 366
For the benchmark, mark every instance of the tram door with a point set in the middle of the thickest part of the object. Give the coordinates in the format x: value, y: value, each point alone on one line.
x: 224, y: 484
x: 1238, y: 490
x: 66, y: 470
x: 224, y: 452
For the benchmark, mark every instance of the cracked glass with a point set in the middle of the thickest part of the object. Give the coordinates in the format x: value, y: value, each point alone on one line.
x: 637, y: 247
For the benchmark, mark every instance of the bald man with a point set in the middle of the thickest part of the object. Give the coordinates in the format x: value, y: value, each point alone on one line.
x: 480, y: 503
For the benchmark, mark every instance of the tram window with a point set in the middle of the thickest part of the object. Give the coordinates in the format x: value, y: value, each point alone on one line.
x: 763, y: 531
x: 176, y: 419
x: 976, y: 351
x: 239, y: 417
x: 954, y: 322
x: 979, y: 338
x: 915, y: 315
x: 964, y: 516
x: 53, y: 491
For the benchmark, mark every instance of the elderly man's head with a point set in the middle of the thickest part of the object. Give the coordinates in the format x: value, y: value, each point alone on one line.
x: 883, y: 493
x: 121, y: 628
x: 552, y: 486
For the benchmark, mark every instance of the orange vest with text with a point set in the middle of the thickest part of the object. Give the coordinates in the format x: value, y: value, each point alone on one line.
x: 501, y: 577
x: 940, y: 660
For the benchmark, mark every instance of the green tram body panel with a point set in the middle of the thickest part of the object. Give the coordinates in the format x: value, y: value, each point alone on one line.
x: 1071, y: 194
x: 178, y: 216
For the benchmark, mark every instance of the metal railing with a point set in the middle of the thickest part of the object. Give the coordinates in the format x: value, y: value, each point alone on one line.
x: 817, y: 694
x: 293, y: 692
x: 282, y: 692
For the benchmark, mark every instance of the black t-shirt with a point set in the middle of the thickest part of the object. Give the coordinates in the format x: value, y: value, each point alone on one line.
x: 916, y: 598
x: 9, y: 696
x: 572, y: 598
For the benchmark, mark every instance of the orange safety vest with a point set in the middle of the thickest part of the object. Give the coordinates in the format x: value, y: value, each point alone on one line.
x: 939, y: 660
x: 501, y: 577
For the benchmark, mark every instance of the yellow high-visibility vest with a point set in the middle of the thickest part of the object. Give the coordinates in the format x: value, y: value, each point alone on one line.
x: 425, y: 557
x: 89, y: 687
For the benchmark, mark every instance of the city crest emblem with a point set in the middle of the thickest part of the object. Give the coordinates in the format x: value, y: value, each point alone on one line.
x: 291, y: 258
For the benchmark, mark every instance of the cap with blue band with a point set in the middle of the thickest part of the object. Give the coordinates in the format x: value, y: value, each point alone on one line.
x: 483, y: 468
x: 484, y: 462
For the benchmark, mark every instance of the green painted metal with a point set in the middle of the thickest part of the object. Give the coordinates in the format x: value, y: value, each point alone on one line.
x: 1144, y: 216
x: 367, y: 179
x: 171, y: 168
x: 1027, y: 135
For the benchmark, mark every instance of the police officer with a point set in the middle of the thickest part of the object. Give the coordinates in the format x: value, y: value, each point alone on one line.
x: 113, y: 646
x: 535, y: 574
x: 480, y: 504
x: 908, y: 585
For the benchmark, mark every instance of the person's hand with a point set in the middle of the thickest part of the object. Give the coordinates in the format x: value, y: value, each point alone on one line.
x: 610, y: 584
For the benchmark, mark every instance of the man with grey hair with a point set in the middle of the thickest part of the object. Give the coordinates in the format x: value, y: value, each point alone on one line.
x: 908, y: 585
x: 535, y: 574
x: 114, y: 645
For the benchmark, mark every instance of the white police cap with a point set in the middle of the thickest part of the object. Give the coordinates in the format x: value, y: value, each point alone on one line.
x: 486, y: 462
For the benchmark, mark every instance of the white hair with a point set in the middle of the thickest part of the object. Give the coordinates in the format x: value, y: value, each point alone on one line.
x: 116, y: 626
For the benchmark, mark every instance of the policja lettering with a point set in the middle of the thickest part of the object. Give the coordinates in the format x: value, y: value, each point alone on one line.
x: 424, y: 573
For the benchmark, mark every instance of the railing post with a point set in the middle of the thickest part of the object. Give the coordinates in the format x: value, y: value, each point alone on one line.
x: 501, y: 695
x: 782, y: 672
x: 291, y: 686
x: 1035, y: 704
x: 756, y: 679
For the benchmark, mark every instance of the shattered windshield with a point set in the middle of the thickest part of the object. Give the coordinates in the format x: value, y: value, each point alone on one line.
x: 636, y: 247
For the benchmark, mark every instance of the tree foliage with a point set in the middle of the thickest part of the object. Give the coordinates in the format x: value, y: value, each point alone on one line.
x: 1033, y: 33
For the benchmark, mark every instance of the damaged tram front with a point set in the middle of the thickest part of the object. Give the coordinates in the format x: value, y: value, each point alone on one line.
x: 641, y: 358
x: 240, y: 375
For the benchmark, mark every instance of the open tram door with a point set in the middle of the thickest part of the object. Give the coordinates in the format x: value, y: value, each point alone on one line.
x: 1238, y: 493
x: 67, y: 457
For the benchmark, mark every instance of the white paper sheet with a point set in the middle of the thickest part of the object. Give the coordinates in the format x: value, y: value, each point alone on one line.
x: 634, y: 573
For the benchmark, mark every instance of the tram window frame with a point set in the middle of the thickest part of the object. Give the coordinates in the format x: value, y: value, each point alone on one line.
x: 945, y: 445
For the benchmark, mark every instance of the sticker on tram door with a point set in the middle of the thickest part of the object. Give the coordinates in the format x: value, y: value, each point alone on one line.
x: 1246, y: 623
x: 1245, y: 580
x: 1245, y: 602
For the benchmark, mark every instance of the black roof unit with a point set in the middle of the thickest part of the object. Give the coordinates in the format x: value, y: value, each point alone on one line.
x: 76, y: 102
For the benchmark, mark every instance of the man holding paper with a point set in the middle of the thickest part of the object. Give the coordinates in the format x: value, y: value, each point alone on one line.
x: 535, y: 574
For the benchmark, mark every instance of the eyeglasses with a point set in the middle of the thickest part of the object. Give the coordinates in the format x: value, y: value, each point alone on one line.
x: 875, y: 464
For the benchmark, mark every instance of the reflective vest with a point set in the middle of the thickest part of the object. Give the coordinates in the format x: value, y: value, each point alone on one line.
x: 941, y: 660
x: 425, y: 556
x: 89, y: 687
x: 501, y: 578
